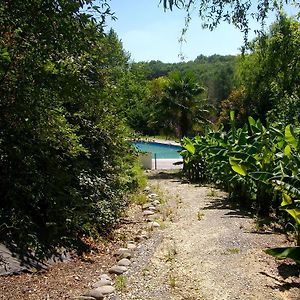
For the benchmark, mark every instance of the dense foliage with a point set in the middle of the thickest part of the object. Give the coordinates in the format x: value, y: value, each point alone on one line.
x: 64, y: 160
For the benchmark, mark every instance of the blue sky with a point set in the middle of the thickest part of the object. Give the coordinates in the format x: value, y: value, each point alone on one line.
x: 149, y: 33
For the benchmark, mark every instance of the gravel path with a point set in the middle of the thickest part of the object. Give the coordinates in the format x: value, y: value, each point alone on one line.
x: 207, y: 250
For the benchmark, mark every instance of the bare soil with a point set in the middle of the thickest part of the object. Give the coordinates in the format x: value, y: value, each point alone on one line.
x: 207, y: 248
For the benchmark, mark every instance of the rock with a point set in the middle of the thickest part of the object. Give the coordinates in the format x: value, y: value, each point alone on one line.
x: 105, y: 276
x: 146, y: 205
x: 153, y: 225
x: 148, y: 212
x: 156, y: 202
x: 102, y: 282
x: 82, y: 298
x: 117, y: 270
x: 131, y: 246
x: 152, y: 208
x: 124, y: 262
x: 147, y: 189
x: 120, y: 251
x: 123, y: 253
x: 95, y: 293
x: 105, y: 290
x: 153, y: 195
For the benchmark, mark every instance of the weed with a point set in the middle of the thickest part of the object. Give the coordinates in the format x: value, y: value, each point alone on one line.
x: 232, y: 251
x: 166, y: 212
x: 146, y: 271
x: 212, y: 193
x: 120, y: 283
x: 138, y: 198
x: 200, y: 215
x: 172, y: 281
x: 170, y: 256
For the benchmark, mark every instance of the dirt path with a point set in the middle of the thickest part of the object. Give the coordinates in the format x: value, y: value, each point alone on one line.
x: 207, y: 250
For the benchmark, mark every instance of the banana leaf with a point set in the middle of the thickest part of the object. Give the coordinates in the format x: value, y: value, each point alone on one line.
x: 285, y: 252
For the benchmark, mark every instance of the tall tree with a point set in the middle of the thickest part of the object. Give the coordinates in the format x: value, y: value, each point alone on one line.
x: 182, y: 105
x: 64, y: 167
x: 270, y: 74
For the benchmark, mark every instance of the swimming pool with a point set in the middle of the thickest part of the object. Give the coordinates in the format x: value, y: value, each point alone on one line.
x: 162, y: 151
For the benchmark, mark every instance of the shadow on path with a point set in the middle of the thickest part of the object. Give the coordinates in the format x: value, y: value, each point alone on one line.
x: 235, y: 209
x: 285, y: 270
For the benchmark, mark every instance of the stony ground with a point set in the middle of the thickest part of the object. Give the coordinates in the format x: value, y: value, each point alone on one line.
x: 206, y: 248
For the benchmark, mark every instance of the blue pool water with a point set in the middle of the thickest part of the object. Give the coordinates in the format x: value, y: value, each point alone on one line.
x: 162, y: 151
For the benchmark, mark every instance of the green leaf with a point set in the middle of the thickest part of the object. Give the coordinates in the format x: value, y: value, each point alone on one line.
x: 290, y: 137
x: 285, y: 252
x: 232, y: 115
x: 189, y: 146
x: 287, y: 151
x: 251, y: 121
x: 237, y: 167
x: 261, y: 176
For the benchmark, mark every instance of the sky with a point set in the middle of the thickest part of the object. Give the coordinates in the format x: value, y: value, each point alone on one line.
x: 149, y: 33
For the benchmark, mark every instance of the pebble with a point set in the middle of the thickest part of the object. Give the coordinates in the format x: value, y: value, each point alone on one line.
x: 153, y: 195
x: 146, y: 205
x: 152, y: 208
x: 123, y: 253
x: 102, y: 282
x: 105, y: 276
x: 147, y: 189
x: 107, y: 289
x: 131, y: 246
x: 124, y: 262
x: 82, y: 298
x: 148, y: 212
x: 156, y: 202
x: 153, y: 225
x: 118, y: 270
x: 95, y: 293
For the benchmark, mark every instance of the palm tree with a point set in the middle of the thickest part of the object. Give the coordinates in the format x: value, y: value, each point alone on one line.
x: 183, y: 104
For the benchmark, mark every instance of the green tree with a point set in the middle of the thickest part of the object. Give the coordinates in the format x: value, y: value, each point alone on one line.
x: 64, y: 167
x: 182, y: 105
x: 270, y: 73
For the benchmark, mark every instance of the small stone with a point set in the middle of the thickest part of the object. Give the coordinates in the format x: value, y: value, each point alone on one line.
x: 105, y: 276
x: 121, y: 251
x: 95, y: 293
x: 156, y: 202
x: 147, y: 189
x: 148, y: 212
x: 102, y: 282
x: 82, y: 298
x: 146, y: 205
x: 107, y: 289
x: 125, y: 255
x: 118, y: 270
x: 131, y: 246
x: 152, y: 208
x: 153, y: 225
x: 153, y: 195
x: 124, y: 262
